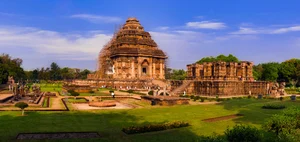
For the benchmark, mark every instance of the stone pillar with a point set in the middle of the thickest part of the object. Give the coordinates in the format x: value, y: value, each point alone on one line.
x: 150, y: 70
x: 154, y: 69
x: 132, y: 70
x: 161, y: 71
x: 139, y: 70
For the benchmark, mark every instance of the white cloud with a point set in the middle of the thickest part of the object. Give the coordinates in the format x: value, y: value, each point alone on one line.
x: 285, y: 30
x: 206, y: 25
x: 244, y: 30
x: 62, y: 45
x: 96, y: 18
x: 163, y: 28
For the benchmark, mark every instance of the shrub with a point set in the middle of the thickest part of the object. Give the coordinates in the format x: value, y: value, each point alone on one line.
x: 154, y: 127
x: 150, y: 93
x: 111, y: 91
x: 192, y: 96
x: 280, y: 124
x: 281, y: 98
x: 74, y: 94
x: 91, y: 92
x: 228, y: 99
x: 273, y: 106
x: 202, y: 99
x: 249, y: 96
x: 243, y: 133
x: 130, y: 91
x: 22, y: 106
x: 196, y: 98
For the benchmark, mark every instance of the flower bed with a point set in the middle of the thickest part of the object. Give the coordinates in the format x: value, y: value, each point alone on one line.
x: 273, y: 106
x: 154, y: 127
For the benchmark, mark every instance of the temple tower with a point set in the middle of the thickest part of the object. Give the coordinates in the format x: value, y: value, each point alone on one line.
x: 131, y: 54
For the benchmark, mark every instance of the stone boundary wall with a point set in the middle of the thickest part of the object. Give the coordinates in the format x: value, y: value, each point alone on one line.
x: 230, y: 88
x: 118, y: 84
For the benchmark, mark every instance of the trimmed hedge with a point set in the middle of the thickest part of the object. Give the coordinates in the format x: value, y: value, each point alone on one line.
x: 273, y: 106
x: 154, y: 127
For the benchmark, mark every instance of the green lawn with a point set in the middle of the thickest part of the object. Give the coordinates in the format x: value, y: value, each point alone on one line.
x: 110, y: 122
x: 50, y: 87
x: 77, y: 100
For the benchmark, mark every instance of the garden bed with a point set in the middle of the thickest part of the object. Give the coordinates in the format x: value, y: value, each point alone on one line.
x: 57, y: 135
x: 154, y: 127
x: 223, y: 118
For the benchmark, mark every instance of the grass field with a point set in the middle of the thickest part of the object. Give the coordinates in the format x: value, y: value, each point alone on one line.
x: 50, y: 87
x: 110, y: 122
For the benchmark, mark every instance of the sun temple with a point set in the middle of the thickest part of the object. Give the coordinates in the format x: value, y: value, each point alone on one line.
x: 131, y: 54
x: 132, y: 60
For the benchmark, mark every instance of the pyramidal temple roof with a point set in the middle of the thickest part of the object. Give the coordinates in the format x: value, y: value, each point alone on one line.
x: 132, y: 40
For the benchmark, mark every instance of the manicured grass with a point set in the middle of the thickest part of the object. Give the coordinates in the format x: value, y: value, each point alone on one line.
x: 109, y: 123
x: 95, y: 94
x: 77, y: 100
x: 45, y: 102
x: 50, y: 87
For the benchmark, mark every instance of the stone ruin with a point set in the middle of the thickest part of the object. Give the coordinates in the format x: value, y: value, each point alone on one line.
x: 276, y: 89
x: 224, y: 79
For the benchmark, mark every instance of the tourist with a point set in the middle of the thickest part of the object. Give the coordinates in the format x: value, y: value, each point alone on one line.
x: 113, y: 94
x: 184, y: 93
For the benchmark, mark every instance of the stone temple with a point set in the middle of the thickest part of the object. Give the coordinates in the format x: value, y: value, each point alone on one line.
x: 224, y: 79
x: 132, y: 60
x: 131, y: 54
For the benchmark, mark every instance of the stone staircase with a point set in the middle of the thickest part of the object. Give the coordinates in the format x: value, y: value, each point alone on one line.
x: 179, y: 90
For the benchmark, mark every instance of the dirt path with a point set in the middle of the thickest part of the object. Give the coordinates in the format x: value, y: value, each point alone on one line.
x: 222, y: 118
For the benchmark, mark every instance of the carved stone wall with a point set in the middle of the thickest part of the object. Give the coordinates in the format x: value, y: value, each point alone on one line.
x: 221, y: 71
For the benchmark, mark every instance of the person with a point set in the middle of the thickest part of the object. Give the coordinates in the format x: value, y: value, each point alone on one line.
x: 113, y: 94
x: 184, y: 93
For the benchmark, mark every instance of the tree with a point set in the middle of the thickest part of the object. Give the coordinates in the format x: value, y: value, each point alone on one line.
x: 55, y: 71
x: 84, y: 73
x: 270, y: 71
x: 10, y: 67
x: 257, y: 72
x: 178, y: 74
x: 229, y: 58
x: 74, y: 94
x: 22, y: 106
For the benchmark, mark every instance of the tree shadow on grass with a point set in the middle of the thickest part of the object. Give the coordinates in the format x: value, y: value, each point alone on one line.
x: 108, y: 124
x: 252, y: 111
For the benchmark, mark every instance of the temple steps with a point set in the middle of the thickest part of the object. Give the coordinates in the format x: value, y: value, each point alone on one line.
x: 179, y: 90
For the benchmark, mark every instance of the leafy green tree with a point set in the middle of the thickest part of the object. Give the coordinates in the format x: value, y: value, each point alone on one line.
x: 178, y: 74
x: 257, y: 72
x: 229, y: 58
x: 270, y: 71
x: 10, y: 67
x: 84, y: 73
x: 74, y: 94
x: 55, y: 72
x: 22, y: 106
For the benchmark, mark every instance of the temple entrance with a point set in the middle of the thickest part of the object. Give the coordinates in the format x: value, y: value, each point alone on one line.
x: 144, y: 70
x: 145, y: 66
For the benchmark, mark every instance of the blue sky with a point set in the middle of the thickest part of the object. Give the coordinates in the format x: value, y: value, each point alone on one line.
x: 72, y: 33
